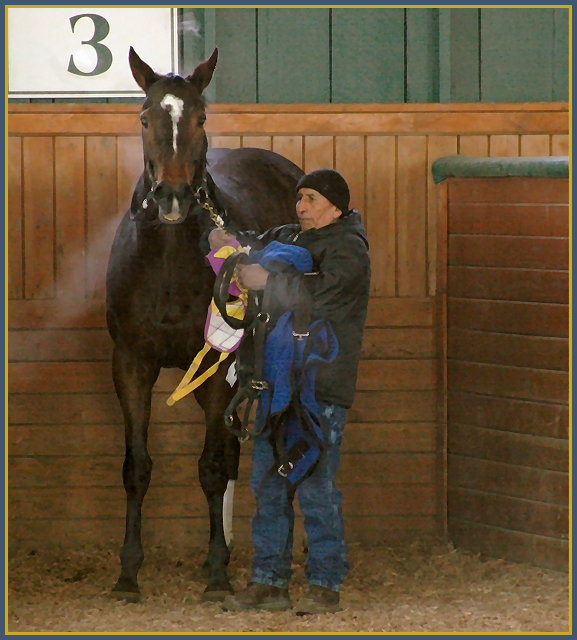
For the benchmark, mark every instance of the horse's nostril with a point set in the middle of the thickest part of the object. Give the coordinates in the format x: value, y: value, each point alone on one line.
x: 160, y: 191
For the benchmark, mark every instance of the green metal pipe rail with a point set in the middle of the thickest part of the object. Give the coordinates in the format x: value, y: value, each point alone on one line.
x: 515, y: 167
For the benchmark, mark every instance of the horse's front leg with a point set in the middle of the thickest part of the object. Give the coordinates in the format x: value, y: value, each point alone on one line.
x: 133, y: 381
x: 218, y: 464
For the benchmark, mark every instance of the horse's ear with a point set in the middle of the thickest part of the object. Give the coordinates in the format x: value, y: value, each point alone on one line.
x: 141, y: 72
x: 202, y: 75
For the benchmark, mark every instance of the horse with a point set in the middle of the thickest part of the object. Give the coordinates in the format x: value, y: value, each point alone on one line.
x: 159, y: 286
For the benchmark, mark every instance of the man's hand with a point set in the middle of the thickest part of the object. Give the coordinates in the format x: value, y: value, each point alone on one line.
x: 252, y: 276
x: 218, y: 238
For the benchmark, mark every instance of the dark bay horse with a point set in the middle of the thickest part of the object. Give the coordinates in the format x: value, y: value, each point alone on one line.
x: 159, y: 286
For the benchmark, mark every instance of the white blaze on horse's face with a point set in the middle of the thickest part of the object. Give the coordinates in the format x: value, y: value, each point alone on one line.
x: 175, y: 107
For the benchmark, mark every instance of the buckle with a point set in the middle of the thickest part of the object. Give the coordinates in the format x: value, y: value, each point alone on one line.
x: 300, y: 336
x: 244, y: 435
x: 259, y: 385
x: 281, y: 470
x: 201, y: 195
x: 263, y: 317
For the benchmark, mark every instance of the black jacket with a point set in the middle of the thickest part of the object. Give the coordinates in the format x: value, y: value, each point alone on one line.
x: 339, y: 289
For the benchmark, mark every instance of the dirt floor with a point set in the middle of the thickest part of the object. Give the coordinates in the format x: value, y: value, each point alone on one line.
x: 423, y: 587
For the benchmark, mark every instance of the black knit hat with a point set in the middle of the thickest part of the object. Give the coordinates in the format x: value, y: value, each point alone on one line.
x: 330, y: 184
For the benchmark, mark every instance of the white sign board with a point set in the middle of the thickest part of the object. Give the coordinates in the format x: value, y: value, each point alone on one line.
x: 83, y: 52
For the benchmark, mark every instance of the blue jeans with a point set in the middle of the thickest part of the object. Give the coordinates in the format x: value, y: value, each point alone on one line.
x: 320, y: 502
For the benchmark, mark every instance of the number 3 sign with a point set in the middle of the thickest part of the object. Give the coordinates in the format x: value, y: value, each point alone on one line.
x: 83, y: 52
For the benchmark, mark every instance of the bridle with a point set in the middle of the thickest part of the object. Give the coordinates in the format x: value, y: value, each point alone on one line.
x: 201, y: 196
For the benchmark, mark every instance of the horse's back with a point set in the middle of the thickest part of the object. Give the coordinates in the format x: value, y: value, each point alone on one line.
x: 257, y: 187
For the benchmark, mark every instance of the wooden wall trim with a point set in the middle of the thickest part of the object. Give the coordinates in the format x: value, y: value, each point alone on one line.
x: 107, y: 119
x: 461, y: 107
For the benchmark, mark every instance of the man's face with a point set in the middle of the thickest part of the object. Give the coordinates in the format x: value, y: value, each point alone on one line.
x: 314, y: 210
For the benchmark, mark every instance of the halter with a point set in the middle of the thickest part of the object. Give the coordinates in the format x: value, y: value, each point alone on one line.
x: 201, y: 195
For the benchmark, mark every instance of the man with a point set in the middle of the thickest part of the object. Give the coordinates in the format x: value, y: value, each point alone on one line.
x: 339, y: 291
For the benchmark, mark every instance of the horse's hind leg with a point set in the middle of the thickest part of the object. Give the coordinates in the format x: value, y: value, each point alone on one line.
x: 133, y: 381
x: 217, y: 465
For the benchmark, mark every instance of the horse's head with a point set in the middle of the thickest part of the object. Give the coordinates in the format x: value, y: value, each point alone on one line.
x: 173, y: 136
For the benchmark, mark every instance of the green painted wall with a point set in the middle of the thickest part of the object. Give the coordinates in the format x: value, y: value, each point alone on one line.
x: 283, y: 55
x: 383, y: 55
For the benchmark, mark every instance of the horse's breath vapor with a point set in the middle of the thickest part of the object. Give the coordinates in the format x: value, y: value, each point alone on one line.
x: 190, y: 27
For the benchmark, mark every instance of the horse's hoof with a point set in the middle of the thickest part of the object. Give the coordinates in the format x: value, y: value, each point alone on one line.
x: 216, y: 594
x: 125, y: 592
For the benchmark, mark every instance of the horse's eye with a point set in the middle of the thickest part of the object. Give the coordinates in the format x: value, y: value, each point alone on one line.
x: 144, y: 121
x: 201, y: 120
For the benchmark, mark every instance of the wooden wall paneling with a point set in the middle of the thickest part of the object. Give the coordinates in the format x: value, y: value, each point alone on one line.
x: 507, y: 219
x: 510, y: 479
x: 286, y: 66
x: 390, y: 375
x: 560, y: 145
x: 36, y: 314
x: 101, y: 210
x: 193, y: 531
x: 224, y: 142
x: 530, y: 318
x: 188, y: 439
x: 389, y: 437
x: 350, y: 162
x: 546, y: 191
x: 411, y: 215
x: 176, y: 470
x: 509, y: 349
x: 260, y: 142
x: 399, y: 312
x: 38, y: 195
x: 511, y: 448
x: 508, y: 382
x: 89, y: 344
x: 509, y: 414
x: 15, y: 221
x: 437, y: 147
x: 474, y: 145
x: 289, y: 146
x: 440, y: 333
x: 325, y: 119
x: 130, y: 165
x: 357, y: 74
x: 529, y: 516
x: 393, y: 420
x: 381, y: 216
x: 93, y: 408
x: 47, y: 377
x: 537, y: 145
x: 318, y: 152
x: 70, y: 214
x: 515, y: 545
x: 499, y: 380
x: 503, y: 145
x: 523, y: 285
x: 510, y: 251
x: 397, y: 406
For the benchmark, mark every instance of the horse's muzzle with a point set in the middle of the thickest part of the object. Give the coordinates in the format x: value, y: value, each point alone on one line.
x: 173, y: 204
